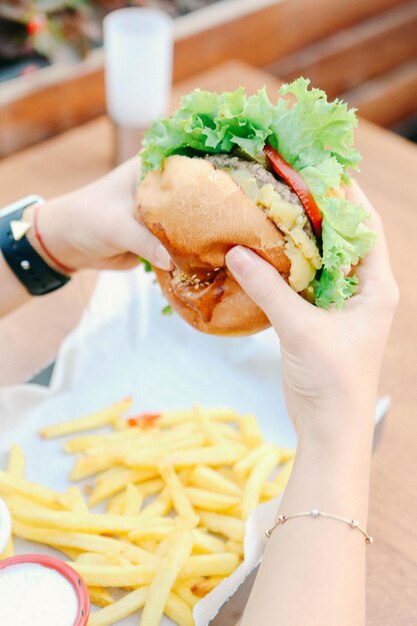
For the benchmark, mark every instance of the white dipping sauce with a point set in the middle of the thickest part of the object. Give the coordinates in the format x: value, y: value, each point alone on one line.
x: 34, y: 595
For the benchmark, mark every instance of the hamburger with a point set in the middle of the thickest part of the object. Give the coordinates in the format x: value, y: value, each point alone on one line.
x: 228, y: 170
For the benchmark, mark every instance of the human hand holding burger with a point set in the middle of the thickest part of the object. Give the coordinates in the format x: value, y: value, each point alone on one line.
x: 330, y: 358
x: 234, y: 170
x: 91, y: 227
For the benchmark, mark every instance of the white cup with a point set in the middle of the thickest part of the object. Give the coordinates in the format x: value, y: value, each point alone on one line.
x: 138, y: 46
x: 5, y: 525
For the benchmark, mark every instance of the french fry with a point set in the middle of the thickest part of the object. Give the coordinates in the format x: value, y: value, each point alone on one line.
x: 269, y: 491
x: 183, y: 590
x: 205, y: 543
x: 209, y: 565
x: 164, y: 546
x: 151, y: 487
x: 152, y: 545
x: 229, y: 527
x: 282, y: 479
x: 100, y: 597
x: 116, y: 505
x: 90, y: 558
x: 129, y: 604
x: 211, y: 455
x: 256, y: 480
x: 172, y: 418
x: 209, y: 500
x: 244, y: 465
x: 276, y: 486
x: 251, y: 432
x: 86, y: 466
x: 164, y: 578
x: 86, y: 442
x: 213, y: 435
x: 115, y: 575
x: 153, y: 532
x: 161, y: 506
x: 285, y: 454
x: 89, y: 522
x: 236, y: 547
x: 71, y: 553
x: 107, y: 487
x: 203, y: 586
x: 178, y: 611
x: 151, y: 457
x: 84, y: 542
x: 228, y: 431
x: 16, y: 461
x: 133, y: 501
x: 88, y: 422
x: 208, y: 478
x: 180, y: 498
x: 156, y: 439
x: 74, y: 501
x: 31, y: 491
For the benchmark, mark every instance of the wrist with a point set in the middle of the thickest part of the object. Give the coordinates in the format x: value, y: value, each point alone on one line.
x: 49, y: 236
x: 341, y: 429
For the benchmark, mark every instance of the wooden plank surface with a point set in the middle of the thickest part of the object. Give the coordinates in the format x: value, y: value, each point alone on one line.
x: 278, y: 30
x: 32, y: 335
x: 59, y: 98
x: 388, y: 99
x: 357, y: 54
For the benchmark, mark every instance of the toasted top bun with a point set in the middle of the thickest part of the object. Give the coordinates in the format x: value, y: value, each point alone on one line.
x: 199, y: 213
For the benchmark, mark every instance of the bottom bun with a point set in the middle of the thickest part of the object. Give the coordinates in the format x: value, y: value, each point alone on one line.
x: 199, y: 213
x: 219, y: 309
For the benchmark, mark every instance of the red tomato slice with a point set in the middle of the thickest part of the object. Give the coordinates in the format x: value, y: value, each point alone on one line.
x: 298, y: 184
x: 145, y: 420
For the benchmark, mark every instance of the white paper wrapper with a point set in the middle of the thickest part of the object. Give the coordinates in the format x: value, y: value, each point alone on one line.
x: 124, y: 345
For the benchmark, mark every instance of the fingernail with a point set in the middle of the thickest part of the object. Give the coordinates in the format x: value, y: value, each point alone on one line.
x: 162, y: 258
x: 240, y: 260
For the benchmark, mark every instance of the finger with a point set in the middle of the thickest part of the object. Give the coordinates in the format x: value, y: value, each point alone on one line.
x: 266, y: 287
x: 375, y: 267
x: 135, y: 238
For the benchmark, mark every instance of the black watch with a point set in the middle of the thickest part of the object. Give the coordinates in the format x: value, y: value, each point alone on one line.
x: 28, y: 266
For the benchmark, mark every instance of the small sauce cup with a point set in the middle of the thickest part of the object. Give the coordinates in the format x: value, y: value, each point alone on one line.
x: 64, y: 571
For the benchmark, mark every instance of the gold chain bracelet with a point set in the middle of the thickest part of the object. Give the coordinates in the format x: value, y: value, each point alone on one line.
x: 315, y: 513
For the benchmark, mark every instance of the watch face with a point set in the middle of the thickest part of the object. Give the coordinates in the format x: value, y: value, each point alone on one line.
x: 21, y: 204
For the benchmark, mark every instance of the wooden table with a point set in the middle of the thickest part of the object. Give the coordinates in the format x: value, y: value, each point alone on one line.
x: 30, y: 337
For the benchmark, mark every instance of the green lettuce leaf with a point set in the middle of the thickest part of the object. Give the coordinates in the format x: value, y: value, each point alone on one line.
x: 313, y: 135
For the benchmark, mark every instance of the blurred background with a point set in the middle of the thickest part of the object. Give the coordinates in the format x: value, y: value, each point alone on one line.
x: 51, y: 58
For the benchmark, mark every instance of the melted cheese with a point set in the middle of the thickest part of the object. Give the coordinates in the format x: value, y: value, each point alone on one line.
x: 291, y: 220
x: 301, y: 272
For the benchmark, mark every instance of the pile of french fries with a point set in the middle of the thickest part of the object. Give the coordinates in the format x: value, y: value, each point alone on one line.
x: 174, y: 491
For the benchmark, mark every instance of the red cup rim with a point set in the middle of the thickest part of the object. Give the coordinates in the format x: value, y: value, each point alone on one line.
x: 65, y: 570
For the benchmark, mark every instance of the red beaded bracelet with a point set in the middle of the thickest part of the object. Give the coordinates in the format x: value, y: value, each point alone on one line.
x: 61, y: 266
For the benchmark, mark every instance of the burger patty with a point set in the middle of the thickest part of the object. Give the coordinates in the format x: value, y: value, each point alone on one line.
x: 262, y: 177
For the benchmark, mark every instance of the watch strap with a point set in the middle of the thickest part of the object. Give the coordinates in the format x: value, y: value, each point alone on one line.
x: 28, y: 266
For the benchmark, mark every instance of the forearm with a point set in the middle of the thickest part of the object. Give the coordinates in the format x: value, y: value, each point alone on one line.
x: 313, y: 571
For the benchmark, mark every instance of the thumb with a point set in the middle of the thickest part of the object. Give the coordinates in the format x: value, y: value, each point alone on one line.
x: 266, y: 287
